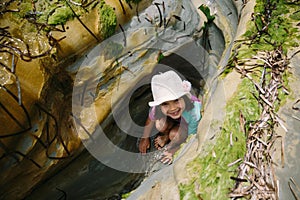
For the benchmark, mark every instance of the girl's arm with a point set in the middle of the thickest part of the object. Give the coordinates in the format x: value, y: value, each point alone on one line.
x: 145, y: 140
x: 174, y: 145
x: 180, y: 138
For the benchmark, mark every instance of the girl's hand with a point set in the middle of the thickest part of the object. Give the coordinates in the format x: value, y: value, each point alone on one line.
x: 167, y: 158
x: 144, y: 145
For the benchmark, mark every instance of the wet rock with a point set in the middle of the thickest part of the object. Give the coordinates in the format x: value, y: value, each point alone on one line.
x: 39, y: 138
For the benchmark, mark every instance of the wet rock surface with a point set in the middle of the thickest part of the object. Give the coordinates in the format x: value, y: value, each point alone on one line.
x: 46, y: 159
x: 38, y: 137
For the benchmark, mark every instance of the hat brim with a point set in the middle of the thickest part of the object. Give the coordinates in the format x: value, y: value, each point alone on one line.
x: 156, y: 103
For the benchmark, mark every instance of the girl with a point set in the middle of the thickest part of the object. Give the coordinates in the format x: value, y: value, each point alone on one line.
x: 174, y: 112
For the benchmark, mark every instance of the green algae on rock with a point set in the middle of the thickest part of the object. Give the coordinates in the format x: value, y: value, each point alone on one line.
x: 266, y: 31
x: 107, y: 20
x: 60, y: 16
x: 270, y: 29
x: 211, y: 172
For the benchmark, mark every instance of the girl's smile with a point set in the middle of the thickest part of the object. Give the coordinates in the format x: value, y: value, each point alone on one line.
x: 173, y: 108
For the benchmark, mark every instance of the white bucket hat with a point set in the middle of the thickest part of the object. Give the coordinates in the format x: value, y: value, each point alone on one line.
x: 168, y: 86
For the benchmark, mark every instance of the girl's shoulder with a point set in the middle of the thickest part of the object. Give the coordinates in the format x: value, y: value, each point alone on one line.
x: 195, y: 113
x: 195, y: 99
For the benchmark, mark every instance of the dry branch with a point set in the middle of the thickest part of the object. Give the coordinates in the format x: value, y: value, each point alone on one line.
x: 257, y: 165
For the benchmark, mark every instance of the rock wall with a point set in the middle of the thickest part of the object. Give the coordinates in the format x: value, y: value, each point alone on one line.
x: 38, y: 137
x: 51, y: 106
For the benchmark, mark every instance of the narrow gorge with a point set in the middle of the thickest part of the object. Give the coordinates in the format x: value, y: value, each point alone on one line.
x: 75, y: 86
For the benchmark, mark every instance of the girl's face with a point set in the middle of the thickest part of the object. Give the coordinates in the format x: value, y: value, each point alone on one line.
x: 173, y: 108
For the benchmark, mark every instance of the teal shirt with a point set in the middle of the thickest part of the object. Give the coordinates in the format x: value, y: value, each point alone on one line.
x: 192, y: 117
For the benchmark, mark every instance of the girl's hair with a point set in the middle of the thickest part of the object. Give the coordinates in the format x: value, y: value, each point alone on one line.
x: 188, y: 106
